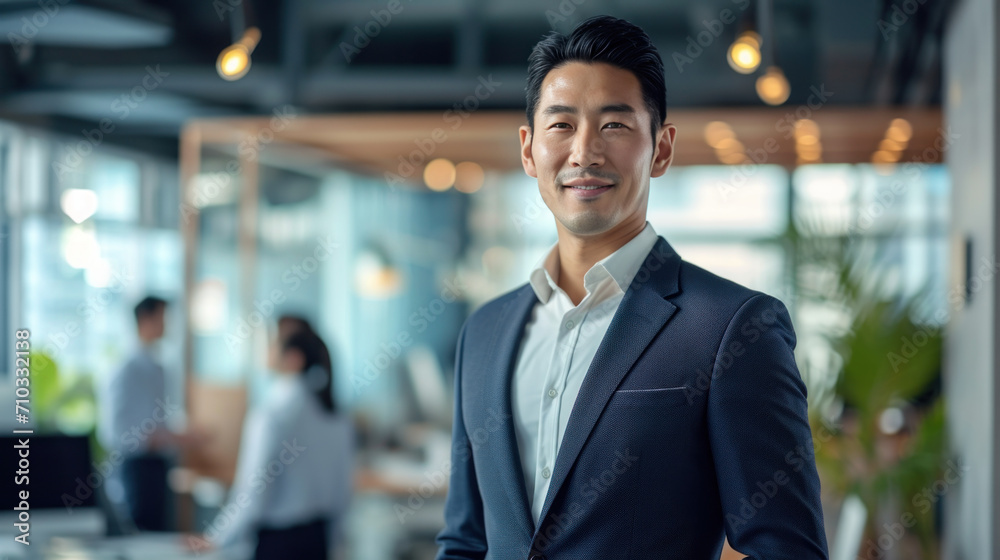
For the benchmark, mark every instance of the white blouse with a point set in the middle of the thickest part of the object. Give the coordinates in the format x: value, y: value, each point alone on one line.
x: 296, y: 464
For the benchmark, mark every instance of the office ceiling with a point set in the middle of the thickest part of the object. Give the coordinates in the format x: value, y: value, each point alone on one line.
x: 148, y: 67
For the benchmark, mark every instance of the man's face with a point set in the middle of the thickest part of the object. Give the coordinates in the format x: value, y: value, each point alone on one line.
x: 154, y: 324
x: 592, y: 129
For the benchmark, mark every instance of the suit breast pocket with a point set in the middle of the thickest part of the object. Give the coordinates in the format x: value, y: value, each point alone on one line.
x: 665, y: 396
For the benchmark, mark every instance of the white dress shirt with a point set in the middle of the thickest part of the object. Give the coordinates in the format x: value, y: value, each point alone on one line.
x: 134, y: 404
x: 296, y: 464
x: 557, y: 346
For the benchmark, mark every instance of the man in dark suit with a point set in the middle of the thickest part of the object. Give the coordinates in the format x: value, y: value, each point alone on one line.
x: 624, y: 403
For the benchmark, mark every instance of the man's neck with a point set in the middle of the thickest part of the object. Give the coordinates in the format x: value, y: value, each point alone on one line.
x: 577, y: 255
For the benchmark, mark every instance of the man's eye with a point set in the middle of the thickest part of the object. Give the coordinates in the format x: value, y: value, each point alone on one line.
x: 560, y: 125
x: 615, y: 125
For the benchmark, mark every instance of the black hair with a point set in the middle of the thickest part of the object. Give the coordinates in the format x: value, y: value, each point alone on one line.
x: 148, y: 306
x: 296, y: 322
x: 316, y: 365
x: 601, y: 39
x: 289, y: 324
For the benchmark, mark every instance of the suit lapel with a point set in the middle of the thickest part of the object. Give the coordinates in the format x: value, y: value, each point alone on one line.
x: 510, y: 327
x: 641, y: 314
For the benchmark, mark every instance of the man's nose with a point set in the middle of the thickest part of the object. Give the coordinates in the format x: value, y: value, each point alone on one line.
x: 588, y: 149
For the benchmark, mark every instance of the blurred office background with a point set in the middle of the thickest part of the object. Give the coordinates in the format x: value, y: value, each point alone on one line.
x: 356, y: 163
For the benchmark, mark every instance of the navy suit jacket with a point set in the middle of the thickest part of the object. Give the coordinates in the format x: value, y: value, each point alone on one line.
x: 690, y: 426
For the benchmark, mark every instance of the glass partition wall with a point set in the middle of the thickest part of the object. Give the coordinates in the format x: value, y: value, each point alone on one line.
x: 375, y: 269
x: 85, y: 233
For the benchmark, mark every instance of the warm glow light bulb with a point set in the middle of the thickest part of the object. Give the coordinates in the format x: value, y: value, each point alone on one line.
x: 809, y: 151
x: 233, y: 62
x: 439, y: 174
x: 469, y: 177
x: 804, y: 128
x: 899, y: 130
x: 744, y: 55
x: 890, y: 145
x: 773, y: 87
x: 717, y: 132
x: 807, y: 139
x: 882, y: 156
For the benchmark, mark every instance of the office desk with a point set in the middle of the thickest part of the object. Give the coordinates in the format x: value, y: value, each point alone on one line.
x: 149, y: 546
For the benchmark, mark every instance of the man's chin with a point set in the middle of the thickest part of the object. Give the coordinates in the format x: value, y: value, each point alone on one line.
x: 587, y: 223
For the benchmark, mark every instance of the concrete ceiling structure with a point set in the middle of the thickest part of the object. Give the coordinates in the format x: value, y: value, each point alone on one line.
x: 149, y: 66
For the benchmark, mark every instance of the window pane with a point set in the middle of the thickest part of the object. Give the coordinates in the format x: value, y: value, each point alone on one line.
x: 717, y: 200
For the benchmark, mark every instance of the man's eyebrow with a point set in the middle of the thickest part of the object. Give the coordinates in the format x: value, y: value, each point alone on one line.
x: 619, y: 108
x: 616, y: 108
x: 556, y: 109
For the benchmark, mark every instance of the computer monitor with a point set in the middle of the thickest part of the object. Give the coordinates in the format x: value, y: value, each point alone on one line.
x: 61, y: 482
x: 425, y: 386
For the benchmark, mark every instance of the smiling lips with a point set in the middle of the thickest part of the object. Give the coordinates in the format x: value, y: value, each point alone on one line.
x: 587, y: 184
x: 588, y: 188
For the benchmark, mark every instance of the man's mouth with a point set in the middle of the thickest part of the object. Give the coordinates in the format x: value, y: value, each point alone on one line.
x: 587, y: 183
x: 591, y: 191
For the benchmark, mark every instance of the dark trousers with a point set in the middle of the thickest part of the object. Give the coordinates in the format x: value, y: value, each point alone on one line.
x: 145, y: 480
x: 302, y: 542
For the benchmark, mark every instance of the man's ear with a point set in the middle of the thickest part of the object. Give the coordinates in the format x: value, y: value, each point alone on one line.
x: 527, y: 160
x: 663, y: 156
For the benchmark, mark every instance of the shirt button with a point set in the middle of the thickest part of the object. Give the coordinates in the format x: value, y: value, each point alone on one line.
x: 546, y: 472
x: 569, y: 324
x: 553, y: 393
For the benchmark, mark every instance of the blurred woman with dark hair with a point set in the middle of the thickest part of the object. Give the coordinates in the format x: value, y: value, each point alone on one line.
x: 295, y: 468
x: 289, y: 325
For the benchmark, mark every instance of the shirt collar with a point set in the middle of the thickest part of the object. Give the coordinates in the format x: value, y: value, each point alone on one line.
x: 621, y: 266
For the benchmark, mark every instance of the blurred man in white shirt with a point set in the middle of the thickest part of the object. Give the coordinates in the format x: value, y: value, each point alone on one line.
x: 134, y: 413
